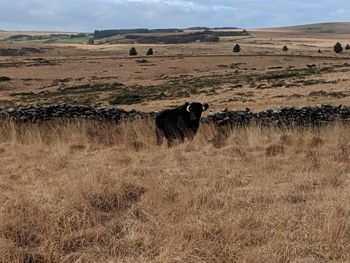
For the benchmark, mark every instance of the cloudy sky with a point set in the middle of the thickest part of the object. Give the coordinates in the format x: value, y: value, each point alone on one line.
x: 88, y: 15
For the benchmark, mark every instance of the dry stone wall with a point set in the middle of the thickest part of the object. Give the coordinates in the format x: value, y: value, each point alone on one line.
x: 285, y: 116
x: 37, y: 113
x: 300, y: 116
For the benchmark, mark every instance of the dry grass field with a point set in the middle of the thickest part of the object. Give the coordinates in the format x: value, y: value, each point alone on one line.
x: 87, y: 192
x: 78, y: 191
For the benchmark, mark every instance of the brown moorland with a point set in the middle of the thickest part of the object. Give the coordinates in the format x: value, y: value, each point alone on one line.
x: 260, y: 76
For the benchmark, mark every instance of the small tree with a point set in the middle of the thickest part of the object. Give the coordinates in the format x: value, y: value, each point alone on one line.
x: 237, y: 48
x: 91, y: 41
x: 245, y: 32
x: 319, y: 51
x: 285, y: 48
x: 149, y: 52
x: 347, y: 47
x: 133, y: 52
x: 338, y: 48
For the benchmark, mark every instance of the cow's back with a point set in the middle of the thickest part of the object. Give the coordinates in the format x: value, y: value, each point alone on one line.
x: 169, y: 118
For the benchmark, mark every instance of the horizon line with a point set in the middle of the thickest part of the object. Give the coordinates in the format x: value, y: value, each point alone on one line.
x: 189, y: 27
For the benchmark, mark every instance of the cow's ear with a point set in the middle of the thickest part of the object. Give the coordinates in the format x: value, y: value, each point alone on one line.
x: 205, y: 106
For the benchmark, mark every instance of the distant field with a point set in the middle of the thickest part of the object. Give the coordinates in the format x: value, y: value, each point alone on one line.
x: 319, y: 28
x: 260, y: 76
x: 62, y: 40
x: 6, y: 34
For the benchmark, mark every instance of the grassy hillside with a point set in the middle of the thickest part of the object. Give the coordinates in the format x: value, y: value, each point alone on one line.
x: 64, y: 40
x: 334, y: 28
x: 85, y: 192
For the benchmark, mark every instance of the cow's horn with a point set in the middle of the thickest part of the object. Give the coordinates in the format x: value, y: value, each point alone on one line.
x: 203, y: 107
x: 188, y: 108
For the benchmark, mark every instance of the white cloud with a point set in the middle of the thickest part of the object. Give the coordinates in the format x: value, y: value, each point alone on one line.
x: 87, y: 15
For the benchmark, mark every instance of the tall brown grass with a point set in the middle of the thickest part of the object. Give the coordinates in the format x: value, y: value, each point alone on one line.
x: 92, y: 192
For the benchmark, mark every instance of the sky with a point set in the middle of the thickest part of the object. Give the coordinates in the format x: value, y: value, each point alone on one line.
x: 88, y: 15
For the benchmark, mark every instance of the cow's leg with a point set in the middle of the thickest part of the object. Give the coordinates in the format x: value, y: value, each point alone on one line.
x: 174, y: 140
x: 170, y: 142
x: 159, y: 136
x: 181, y: 139
x: 190, y: 134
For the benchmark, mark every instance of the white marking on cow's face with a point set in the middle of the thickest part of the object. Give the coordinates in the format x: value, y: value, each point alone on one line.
x: 188, y: 108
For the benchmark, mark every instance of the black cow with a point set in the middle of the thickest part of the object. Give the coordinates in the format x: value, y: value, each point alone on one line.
x: 179, y: 123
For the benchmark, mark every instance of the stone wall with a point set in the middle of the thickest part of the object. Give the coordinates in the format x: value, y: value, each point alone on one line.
x: 285, y: 116
x: 301, y: 116
x: 36, y: 113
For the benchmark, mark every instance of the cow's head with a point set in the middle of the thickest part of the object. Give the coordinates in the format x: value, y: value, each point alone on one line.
x: 195, y: 110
